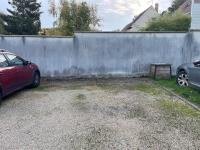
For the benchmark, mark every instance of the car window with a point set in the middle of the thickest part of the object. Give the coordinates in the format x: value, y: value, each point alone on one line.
x: 15, y: 60
x: 3, y: 61
x: 197, y: 64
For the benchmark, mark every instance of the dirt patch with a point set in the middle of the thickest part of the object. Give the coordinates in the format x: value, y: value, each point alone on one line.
x: 98, y: 114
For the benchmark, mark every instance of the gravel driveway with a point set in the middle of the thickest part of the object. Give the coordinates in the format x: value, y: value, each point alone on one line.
x: 98, y: 114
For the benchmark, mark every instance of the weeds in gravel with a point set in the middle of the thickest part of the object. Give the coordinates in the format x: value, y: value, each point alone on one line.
x: 81, y: 97
x: 48, y: 87
x: 144, y: 87
x: 80, y: 102
x: 42, y: 88
x: 181, y: 116
x: 110, y: 88
x: 137, y: 112
x: 134, y: 111
x: 176, y: 107
x: 148, y: 88
x: 98, y: 137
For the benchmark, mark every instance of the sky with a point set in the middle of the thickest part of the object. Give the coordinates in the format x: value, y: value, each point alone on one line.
x: 115, y: 14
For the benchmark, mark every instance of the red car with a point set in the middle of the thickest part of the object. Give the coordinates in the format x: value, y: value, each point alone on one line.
x: 16, y: 73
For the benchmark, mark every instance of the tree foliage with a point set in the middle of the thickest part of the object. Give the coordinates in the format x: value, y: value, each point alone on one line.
x: 52, y: 8
x: 23, y: 18
x: 175, y: 5
x: 169, y: 22
x: 51, y: 31
x: 74, y: 16
x: 2, y: 29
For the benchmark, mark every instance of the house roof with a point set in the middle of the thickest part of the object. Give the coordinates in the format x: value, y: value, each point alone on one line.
x: 129, y: 26
x: 186, y: 7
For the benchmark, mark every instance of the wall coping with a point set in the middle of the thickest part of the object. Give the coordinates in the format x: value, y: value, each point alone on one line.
x: 104, y: 32
x: 128, y: 32
x: 36, y: 36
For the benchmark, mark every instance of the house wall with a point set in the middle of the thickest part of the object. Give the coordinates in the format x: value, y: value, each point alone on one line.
x: 104, y: 54
x: 195, y: 47
x: 142, y: 21
x: 186, y: 7
x: 195, y: 25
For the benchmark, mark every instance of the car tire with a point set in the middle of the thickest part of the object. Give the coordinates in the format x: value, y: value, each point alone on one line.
x: 1, y: 97
x: 36, y: 80
x: 182, y: 79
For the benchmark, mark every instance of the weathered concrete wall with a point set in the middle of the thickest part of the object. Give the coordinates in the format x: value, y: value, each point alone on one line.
x: 53, y: 55
x: 128, y: 53
x: 104, y: 54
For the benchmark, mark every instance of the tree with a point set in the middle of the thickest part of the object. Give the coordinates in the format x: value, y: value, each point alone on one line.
x: 74, y: 16
x: 169, y: 22
x: 52, y: 8
x: 2, y: 29
x: 175, y: 5
x: 50, y: 31
x: 24, y: 18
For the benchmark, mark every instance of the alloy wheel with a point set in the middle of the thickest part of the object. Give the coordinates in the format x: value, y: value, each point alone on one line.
x: 37, y: 79
x: 183, y: 79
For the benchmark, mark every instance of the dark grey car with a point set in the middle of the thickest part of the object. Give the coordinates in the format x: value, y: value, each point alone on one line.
x: 189, y: 75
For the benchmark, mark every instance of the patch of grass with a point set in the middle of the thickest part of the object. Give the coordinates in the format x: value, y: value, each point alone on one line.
x: 81, y: 97
x: 47, y: 87
x: 190, y: 94
x: 110, y: 88
x: 181, y: 116
x: 98, y: 137
x: 175, y: 107
x: 137, y: 112
x: 148, y: 88
x: 72, y: 87
x: 80, y: 102
x: 42, y: 88
x: 144, y: 87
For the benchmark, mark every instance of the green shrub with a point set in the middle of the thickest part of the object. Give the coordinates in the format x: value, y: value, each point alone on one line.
x: 169, y: 22
x: 51, y: 31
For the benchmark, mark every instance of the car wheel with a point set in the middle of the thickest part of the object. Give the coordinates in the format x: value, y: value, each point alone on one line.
x: 1, y: 97
x: 36, y: 80
x: 182, y: 79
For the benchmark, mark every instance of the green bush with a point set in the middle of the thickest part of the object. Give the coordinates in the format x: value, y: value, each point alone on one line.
x: 51, y: 31
x: 169, y: 22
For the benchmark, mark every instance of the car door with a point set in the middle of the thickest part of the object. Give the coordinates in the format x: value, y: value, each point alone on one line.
x: 7, y: 76
x: 194, y: 74
x: 23, y: 72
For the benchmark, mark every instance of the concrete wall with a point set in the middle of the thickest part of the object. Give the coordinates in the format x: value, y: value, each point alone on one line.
x: 104, y: 54
x: 128, y: 53
x: 53, y: 54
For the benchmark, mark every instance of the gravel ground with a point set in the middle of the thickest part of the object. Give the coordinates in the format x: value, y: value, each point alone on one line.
x: 98, y: 114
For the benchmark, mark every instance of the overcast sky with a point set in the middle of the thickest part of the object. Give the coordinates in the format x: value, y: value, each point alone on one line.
x: 115, y: 14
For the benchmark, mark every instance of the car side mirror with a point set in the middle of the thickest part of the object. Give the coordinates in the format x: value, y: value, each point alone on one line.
x: 26, y: 63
